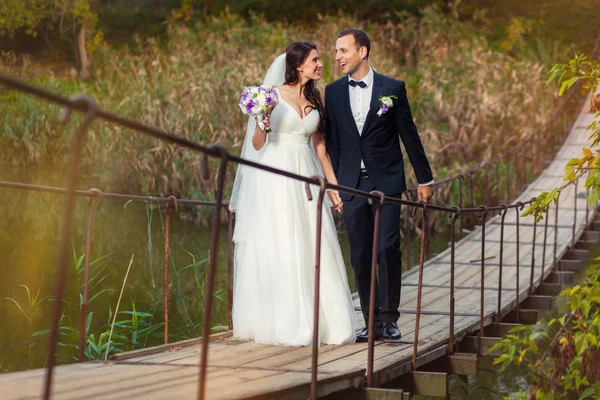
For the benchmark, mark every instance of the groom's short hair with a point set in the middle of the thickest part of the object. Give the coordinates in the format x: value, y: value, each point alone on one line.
x: 360, y: 37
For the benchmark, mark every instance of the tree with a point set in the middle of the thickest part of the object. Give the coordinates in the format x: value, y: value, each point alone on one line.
x: 578, y: 69
x: 569, y: 368
x: 76, y: 19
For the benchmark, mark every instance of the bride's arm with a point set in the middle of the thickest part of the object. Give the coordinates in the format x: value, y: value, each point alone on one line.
x: 321, y: 150
x: 260, y: 136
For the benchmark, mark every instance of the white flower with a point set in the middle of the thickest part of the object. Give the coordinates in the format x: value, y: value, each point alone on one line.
x: 262, y: 100
x: 387, y: 101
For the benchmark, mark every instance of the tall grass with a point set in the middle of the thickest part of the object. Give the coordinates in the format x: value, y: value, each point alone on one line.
x: 469, y: 100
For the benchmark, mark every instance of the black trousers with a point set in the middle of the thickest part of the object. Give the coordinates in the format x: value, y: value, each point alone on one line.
x: 359, y: 217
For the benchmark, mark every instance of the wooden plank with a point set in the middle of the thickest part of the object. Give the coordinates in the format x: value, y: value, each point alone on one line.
x: 463, y: 364
x: 550, y: 289
x: 538, y: 302
x: 168, y: 347
x: 499, y: 330
x: 570, y: 265
x: 527, y: 317
x: 470, y: 344
x: 430, y: 383
x: 578, y: 254
x: 561, y: 277
x: 384, y: 394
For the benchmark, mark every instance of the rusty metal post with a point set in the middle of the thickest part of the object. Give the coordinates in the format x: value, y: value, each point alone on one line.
x: 471, y: 189
x: 514, y: 186
x: 533, y: 257
x: 173, y: 206
x: 420, y: 287
x: 486, y: 181
x: 460, y: 205
x: 86, y: 273
x: 483, y: 217
x: 212, y: 269
x: 315, y: 340
x: 230, y: 267
x: 508, y: 185
x: 371, y: 344
x: 499, y: 311
x: 518, y: 208
x: 556, y: 231
x: 76, y: 149
x: 545, y: 241
x: 452, y: 228
x: 498, y: 180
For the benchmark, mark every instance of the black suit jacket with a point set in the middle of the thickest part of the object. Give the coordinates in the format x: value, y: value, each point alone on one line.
x: 378, y: 145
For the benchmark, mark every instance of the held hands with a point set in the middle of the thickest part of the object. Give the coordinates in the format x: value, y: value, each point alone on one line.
x: 425, y: 193
x: 338, y: 204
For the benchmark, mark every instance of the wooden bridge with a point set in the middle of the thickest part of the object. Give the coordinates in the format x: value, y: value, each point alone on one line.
x: 510, y: 264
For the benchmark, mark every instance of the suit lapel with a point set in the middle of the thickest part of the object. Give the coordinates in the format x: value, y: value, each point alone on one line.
x: 346, y: 109
x: 374, y: 107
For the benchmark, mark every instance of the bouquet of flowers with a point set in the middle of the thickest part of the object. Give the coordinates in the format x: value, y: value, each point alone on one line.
x: 257, y: 101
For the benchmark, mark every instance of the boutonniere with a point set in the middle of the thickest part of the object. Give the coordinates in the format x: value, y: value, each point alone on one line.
x: 385, y: 103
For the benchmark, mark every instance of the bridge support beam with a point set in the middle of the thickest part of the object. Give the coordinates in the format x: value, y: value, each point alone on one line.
x: 570, y: 265
x: 578, y: 254
x: 499, y: 330
x: 458, y: 364
x: 562, y: 277
x: 424, y: 383
x: 538, y: 302
x: 469, y: 344
x: 386, y: 394
x: 550, y: 289
x: 523, y: 316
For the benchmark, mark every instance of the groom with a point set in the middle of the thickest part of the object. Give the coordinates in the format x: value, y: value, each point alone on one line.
x: 365, y: 153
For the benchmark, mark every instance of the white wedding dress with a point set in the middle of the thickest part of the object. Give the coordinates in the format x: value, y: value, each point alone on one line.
x: 275, y: 237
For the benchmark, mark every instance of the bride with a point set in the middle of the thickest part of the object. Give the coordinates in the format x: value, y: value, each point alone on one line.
x: 275, y: 231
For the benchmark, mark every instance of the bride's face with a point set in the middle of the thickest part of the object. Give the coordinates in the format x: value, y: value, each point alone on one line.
x: 311, y: 68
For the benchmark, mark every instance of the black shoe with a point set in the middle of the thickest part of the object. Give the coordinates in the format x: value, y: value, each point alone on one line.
x: 363, y: 336
x: 391, y: 333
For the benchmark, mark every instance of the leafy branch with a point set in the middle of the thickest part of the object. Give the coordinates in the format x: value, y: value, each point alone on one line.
x: 587, y: 72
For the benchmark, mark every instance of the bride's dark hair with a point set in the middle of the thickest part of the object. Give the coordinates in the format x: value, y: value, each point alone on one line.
x: 295, y: 55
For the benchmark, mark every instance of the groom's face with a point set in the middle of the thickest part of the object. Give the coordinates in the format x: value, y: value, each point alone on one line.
x: 348, y: 55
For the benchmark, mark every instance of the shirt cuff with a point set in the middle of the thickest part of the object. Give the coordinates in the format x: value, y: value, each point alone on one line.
x: 428, y: 183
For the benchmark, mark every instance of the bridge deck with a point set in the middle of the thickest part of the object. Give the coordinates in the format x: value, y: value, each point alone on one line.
x: 241, y: 369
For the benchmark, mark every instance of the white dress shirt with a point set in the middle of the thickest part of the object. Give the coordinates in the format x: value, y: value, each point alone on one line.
x: 360, y: 103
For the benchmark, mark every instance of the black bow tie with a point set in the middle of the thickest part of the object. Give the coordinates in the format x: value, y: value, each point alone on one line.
x: 360, y: 84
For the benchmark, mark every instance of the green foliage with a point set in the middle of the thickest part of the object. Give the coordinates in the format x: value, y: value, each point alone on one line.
x: 578, y: 69
x: 30, y: 15
x: 23, y: 14
x: 569, y: 366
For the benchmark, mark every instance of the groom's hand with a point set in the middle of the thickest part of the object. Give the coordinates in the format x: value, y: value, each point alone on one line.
x: 425, y: 193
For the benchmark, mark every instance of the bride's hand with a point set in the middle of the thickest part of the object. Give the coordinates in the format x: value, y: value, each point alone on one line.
x: 267, y: 120
x: 338, y: 204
